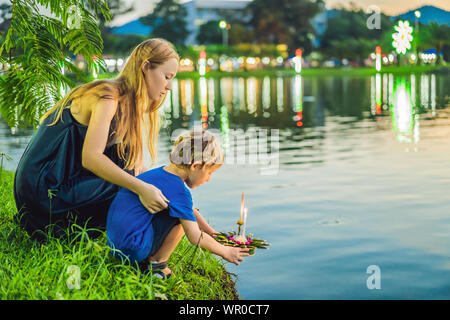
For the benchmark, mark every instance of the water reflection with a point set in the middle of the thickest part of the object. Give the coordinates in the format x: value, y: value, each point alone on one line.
x: 305, y: 109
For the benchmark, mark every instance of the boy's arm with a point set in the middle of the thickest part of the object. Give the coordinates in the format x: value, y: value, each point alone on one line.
x: 196, y: 237
x: 203, y: 225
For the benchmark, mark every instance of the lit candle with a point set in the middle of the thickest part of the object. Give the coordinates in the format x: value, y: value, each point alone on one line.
x: 242, y: 207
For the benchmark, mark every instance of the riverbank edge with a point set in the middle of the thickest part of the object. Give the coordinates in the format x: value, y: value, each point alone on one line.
x: 307, y: 72
x: 199, y: 274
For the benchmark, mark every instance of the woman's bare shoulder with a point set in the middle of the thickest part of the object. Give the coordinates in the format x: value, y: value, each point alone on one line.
x: 102, y: 98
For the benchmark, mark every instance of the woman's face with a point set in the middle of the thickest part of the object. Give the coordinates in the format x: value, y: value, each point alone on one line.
x: 159, y: 79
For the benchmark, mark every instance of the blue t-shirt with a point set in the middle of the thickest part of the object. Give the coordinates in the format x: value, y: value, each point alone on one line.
x: 129, y: 224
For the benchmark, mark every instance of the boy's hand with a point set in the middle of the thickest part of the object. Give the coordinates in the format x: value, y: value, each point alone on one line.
x: 235, y: 254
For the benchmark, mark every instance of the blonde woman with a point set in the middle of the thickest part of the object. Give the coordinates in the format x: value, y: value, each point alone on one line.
x: 90, y: 144
x: 149, y: 239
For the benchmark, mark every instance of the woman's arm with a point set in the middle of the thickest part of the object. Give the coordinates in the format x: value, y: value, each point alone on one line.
x: 196, y: 237
x: 203, y: 225
x: 95, y: 161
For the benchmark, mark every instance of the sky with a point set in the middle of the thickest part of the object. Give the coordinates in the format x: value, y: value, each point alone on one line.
x: 391, y: 7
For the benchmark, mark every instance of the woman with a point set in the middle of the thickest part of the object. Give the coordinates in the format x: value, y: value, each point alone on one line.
x: 90, y: 144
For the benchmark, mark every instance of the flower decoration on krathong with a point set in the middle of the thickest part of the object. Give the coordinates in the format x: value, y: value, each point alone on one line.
x: 403, y: 37
x: 233, y: 239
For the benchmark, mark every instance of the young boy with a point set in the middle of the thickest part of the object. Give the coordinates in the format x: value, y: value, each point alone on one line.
x: 140, y: 236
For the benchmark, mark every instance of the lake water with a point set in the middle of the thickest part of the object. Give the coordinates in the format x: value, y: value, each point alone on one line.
x: 354, y: 172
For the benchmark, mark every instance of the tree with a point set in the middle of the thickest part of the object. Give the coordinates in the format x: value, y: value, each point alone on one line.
x: 239, y: 33
x: 35, y: 47
x: 168, y: 21
x: 284, y: 21
x: 209, y: 33
x: 350, y: 26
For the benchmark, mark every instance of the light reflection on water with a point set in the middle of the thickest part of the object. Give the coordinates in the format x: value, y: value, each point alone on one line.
x: 363, y: 180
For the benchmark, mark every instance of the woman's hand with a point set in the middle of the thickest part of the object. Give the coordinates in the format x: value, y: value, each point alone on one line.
x: 235, y: 254
x: 152, y: 198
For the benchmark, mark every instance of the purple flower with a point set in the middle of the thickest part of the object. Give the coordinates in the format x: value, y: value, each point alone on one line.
x: 238, y: 242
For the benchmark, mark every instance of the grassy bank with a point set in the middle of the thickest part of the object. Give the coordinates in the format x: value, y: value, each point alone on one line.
x: 29, y: 270
x: 355, y: 72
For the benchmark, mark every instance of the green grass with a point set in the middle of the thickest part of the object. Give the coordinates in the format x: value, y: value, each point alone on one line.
x: 363, y: 71
x: 30, y: 270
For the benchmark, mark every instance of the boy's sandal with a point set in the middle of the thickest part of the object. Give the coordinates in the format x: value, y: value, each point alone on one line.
x: 157, y: 267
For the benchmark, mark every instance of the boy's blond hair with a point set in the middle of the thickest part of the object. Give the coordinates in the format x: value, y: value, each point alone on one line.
x: 196, y: 147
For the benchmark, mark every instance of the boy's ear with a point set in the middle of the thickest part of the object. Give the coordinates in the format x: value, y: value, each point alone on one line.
x: 195, y: 166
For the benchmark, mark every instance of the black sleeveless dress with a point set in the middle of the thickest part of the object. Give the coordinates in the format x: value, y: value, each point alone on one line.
x: 51, y: 188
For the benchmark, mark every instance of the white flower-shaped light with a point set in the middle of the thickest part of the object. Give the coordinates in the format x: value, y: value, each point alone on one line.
x: 403, y: 37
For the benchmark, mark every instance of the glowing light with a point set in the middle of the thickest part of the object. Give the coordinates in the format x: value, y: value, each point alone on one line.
x: 251, y: 60
x: 378, y: 57
x: 202, y: 63
x: 403, y: 113
x: 222, y: 24
x: 225, y: 128
x: 204, y: 102
x: 298, y: 60
x: 403, y: 37
x: 280, y: 96
x: 298, y: 100
x: 265, y: 60
x: 186, y: 62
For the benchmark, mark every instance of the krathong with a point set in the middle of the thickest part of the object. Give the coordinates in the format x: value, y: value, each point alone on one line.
x: 239, y: 239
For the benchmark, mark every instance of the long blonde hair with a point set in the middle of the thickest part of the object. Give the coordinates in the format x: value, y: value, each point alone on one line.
x: 130, y: 90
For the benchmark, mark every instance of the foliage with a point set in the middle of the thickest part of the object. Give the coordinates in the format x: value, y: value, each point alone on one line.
x: 121, y: 45
x: 436, y: 36
x: 36, y: 46
x: 347, y: 35
x: 209, y: 32
x: 168, y: 21
x: 284, y: 21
